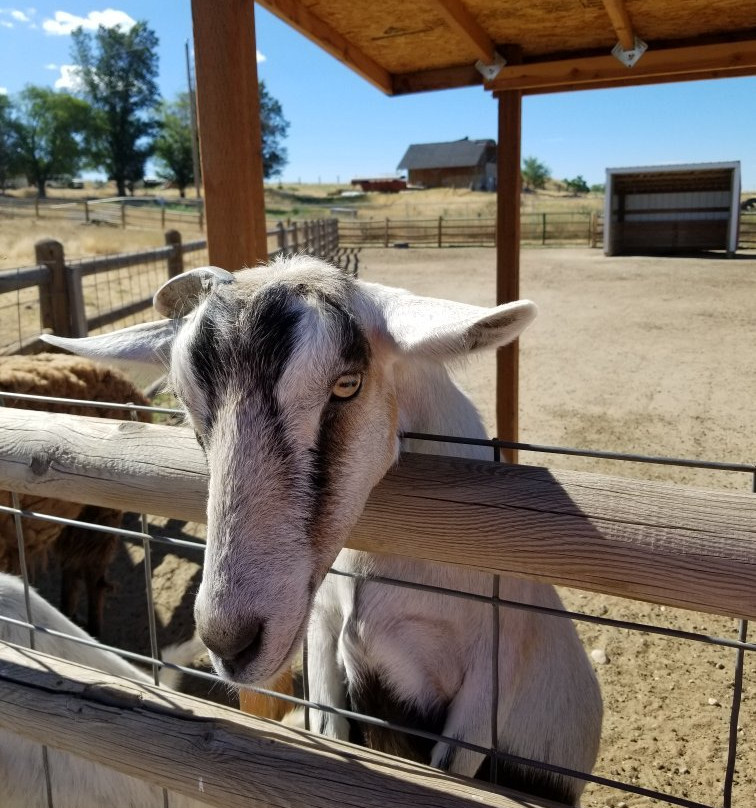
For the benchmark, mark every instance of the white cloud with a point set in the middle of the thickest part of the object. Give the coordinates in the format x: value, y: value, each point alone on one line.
x: 19, y: 16
x: 3, y: 91
x: 69, y: 79
x: 261, y: 57
x: 51, y: 66
x: 64, y: 23
x: 6, y: 24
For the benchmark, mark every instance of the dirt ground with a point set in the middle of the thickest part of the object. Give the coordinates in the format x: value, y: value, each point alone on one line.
x: 644, y: 355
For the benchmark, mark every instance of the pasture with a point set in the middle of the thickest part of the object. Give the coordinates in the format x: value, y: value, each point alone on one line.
x: 641, y: 355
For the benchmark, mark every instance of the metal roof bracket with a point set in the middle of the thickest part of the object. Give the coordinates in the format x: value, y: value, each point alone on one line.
x: 630, y: 56
x: 490, y: 71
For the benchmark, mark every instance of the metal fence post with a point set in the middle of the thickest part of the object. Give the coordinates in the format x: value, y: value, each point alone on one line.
x: 176, y: 258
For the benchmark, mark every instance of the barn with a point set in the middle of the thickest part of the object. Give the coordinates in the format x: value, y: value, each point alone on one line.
x: 672, y: 209
x: 461, y: 163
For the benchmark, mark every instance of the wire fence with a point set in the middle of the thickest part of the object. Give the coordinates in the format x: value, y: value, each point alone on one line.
x: 149, y: 536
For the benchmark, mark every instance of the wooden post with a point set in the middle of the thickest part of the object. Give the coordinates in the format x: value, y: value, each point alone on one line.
x: 508, y: 259
x: 86, y: 211
x: 294, y: 237
x: 440, y: 226
x: 281, y: 227
x: 386, y: 235
x: 61, y: 300
x: 123, y: 214
x: 543, y: 228
x: 162, y: 215
x: 176, y: 259
x: 228, y: 107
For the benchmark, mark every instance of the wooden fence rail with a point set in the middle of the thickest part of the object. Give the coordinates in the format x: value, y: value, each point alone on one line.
x: 645, y: 540
x: 211, y: 753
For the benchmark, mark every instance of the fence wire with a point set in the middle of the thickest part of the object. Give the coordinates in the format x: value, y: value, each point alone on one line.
x: 150, y: 532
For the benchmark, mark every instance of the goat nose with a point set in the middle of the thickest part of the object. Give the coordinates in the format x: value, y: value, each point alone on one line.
x: 235, y: 652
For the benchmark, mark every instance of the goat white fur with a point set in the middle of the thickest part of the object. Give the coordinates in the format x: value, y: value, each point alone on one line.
x: 299, y: 383
x: 75, y: 782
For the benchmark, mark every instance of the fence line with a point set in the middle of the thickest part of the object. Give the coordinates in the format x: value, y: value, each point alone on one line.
x: 74, y: 298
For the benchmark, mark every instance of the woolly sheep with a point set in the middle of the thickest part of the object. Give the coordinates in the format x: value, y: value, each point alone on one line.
x: 84, y: 555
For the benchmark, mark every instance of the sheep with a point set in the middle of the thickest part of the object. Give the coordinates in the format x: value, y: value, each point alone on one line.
x: 75, y: 782
x: 299, y: 383
x: 84, y: 555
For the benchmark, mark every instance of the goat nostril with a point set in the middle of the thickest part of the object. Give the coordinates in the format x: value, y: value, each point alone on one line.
x: 235, y: 659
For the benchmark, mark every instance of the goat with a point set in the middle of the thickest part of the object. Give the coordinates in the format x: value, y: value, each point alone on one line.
x: 75, y: 782
x: 299, y: 383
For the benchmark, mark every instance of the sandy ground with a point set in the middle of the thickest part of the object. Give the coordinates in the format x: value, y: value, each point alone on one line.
x: 646, y: 355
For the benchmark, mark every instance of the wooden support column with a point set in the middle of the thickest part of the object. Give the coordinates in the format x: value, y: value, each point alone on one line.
x: 228, y: 109
x: 508, y: 258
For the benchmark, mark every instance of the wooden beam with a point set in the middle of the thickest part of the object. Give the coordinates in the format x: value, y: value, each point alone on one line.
x: 442, y: 78
x: 299, y: 17
x: 672, y: 64
x: 228, y: 107
x: 650, y: 541
x: 463, y: 23
x: 508, y: 259
x: 211, y: 753
x: 621, y: 22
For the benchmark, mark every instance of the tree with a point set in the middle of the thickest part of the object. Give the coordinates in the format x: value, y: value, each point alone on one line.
x: 274, y: 129
x: 577, y: 185
x: 173, y: 147
x: 118, y: 73
x: 534, y: 173
x: 9, y: 157
x: 50, y: 128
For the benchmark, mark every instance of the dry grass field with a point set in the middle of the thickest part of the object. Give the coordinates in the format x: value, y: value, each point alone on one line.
x: 628, y: 354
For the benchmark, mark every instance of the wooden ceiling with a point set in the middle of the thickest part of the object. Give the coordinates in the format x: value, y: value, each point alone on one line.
x: 548, y: 45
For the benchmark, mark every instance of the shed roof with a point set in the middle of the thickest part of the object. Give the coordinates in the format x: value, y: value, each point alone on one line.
x: 432, y: 44
x: 674, y: 178
x: 463, y: 153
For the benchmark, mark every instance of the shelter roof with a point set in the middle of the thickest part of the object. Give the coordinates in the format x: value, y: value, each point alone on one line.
x: 455, y: 154
x: 674, y: 178
x: 548, y: 45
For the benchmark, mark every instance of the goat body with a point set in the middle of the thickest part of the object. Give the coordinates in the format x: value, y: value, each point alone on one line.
x: 299, y: 383
x: 75, y: 782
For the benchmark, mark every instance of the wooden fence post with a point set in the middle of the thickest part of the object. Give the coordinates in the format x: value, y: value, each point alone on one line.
x: 86, y: 211
x: 123, y: 215
x: 282, y: 237
x: 440, y: 230
x: 294, y: 237
x: 543, y: 228
x: 176, y: 259
x: 592, y: 228
x: 386, y: 234
x: 61, y: 300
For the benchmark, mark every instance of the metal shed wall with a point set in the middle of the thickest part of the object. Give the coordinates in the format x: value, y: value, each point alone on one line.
x: 672, y: 209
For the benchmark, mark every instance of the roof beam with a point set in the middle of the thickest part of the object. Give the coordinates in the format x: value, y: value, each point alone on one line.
x: 621, y: 23
x: 672, y: 64
x: 460, y: 20
x: 299, y: 17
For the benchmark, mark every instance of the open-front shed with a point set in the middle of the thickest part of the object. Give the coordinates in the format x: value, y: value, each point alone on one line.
x: 672, y: 209
x: 508, y: 47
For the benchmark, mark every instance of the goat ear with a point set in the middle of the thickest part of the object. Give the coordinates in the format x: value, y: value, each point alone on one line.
x: 141, y: 351
x: 443, y: 329
x: 180, y: 295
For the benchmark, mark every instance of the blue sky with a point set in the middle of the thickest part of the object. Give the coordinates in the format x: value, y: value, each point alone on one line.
x: 342, y: 127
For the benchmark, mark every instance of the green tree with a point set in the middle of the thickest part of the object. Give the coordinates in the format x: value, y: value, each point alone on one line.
x: 577, y: 185
x: 173, y: 147
x: 534, y: 173
x: 118, y: 73
x: 274, y: 129
x: 50, y: 128
x: 9, y: 157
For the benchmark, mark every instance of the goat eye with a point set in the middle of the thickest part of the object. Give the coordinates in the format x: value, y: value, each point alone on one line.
x: 347, y: 386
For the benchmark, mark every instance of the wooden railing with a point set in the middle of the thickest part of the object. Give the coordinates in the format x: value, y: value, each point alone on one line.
x: 652, y: 541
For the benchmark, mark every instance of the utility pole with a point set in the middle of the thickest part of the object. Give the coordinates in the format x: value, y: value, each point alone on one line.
x: 193, y: 116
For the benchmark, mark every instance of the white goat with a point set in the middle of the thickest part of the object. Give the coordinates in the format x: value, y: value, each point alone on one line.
x: 299, y: 383
x: 75, y: 782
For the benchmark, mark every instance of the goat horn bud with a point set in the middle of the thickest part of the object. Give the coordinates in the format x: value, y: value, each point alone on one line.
x: 180, y: 295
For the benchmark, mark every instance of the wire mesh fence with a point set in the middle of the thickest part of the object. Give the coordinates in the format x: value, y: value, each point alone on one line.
x: 161, y: 556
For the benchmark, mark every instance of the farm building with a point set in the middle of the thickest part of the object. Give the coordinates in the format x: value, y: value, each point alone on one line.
x: 462, y: 164
x: 672, y: 209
